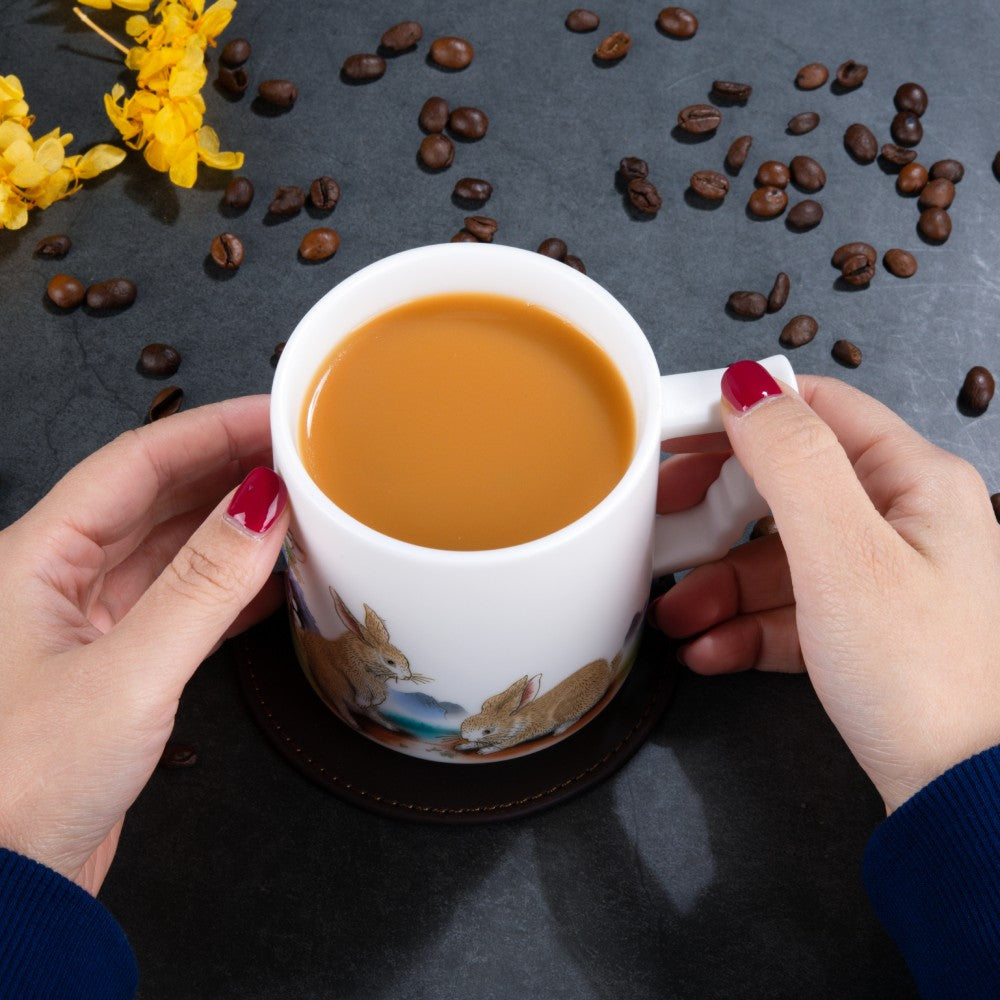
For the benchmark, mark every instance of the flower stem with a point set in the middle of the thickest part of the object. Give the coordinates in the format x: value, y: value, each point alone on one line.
x: 90, y: 24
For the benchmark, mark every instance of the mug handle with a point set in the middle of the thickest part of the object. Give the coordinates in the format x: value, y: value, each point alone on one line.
x: 691, y: 404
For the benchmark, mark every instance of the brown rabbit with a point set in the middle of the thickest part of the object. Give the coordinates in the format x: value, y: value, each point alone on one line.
x: 517, y: 715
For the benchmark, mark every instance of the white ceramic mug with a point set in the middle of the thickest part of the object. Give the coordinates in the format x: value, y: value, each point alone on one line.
x: 472, y: 656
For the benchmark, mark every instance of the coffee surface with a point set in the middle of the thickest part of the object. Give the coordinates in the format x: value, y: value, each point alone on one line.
x: 467, y: 421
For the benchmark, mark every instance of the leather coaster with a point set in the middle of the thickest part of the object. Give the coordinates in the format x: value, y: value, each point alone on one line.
x: 393, y: 784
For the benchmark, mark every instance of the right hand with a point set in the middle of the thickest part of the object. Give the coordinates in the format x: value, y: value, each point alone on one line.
x: 884, y: 582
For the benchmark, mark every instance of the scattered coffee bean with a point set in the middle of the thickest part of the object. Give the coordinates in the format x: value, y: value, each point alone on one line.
x: 748, y: 305
x: 279, y: 348
x: 632, y: 167
x: 643, y: 196
x: 911, y: 97
x: 779, y: 292
x: 802, y: 123
x: 319, y: 244
x: 159, y: 360
x: 554, y: 247
x: 799, y: 330
x: 710, y: 184
x: 912, y: 178
x: 177, y: 755
x: 737, y: 153
x: 116, y: 293
x: 165, y: 403
x: 938, y: 193
x: 764, y: 526
x: 861, y: 142
x: 731, y: 92
x: 773, y: 173
x: 469, y: 123
x: 806, y: 214
x: 677, y: 22
x: 53, y: 246
x: 434, y: 114
x: 996, y: 165
x: 235, y: 52
x: 898, y: 156
x: 287, y: 201
x: 227, y: 251
x: 232, y: 80
x: 950, y: 170
x: 402, y: 36
x: 238, y: 193
x: 614, y: 47
x: 906, y: 128
x: 463, y: 236
x: 848, y: 250
x: 807, y: 174
x: 482, y: 227
x: 699, y: 119
x: 768, y: 202
x: 571, y: 260
x: 901, y: 263
x: 846, y: 353
x: 811, y: 76
x: 363, y: 66
x: 436, y: 151
x: 935, y: 224
x: 450, y: 52
x: 858, y: 271
x: 278, y: 93
x: 995, y: 501
x: 473, y: 189
x: 581, y: 20
x: 977, y: 390
x: 65, y: 291
x: 324, y: 194
x: 851, y: 74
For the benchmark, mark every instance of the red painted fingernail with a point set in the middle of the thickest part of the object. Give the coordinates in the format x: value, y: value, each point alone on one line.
x: 259, y: 501
x: 746, y: 383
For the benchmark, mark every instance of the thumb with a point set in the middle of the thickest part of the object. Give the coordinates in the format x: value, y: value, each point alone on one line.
x: 216, y: 573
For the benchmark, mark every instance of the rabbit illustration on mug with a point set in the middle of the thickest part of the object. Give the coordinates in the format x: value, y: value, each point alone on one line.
x: 519, y: 714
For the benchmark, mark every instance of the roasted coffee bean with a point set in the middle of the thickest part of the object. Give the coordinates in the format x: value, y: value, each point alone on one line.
x: 402, y: 36
x: 977, y: 390
x: 851, y: 74
x: 165, y: 403
x: 324, y: 193
x: 710, y: 184
x: 450, y: 52
x: 553, y: 247
x: 279, y: 348
x: 65, y: 291
x: 858, y: 271
x: 482, y: 227
x: 731, y: 91
x: 434, y: 114
x: 581, y: 20
x: 177, y: 755
x: 53, y: 246
x: 319, y: 244
x: 935, y: 224
x: 764, y: 526
x: 227, y: 251
x: 235, y: 52
x: 848, y: 250
x: 463, y: 236
x: 363, y: 66
x: 737, y: 153
x: 232, y: 80
x: 807, y: 174
x: 779, y: 292
x: 939, y: 193
x: 912, y: 178
x: 748, y: 305
x: 799, y: 330
x: 861, y: 143
x: 995, y: 501
x: 643, y: 196
x: 802, y: 123
x: 287, y: 201
x: 906, y: 128
x: 159, y: 360
x: 571, y: 260
x: 996, y: 165
x: 950, y: 170
x: 898, y: 155
x: 614, y: 47
x: 632, y: 167
x: 677, y: 22
x: 473, y: 189
x: 806, y: 214
x: 811, y: 76
x: 846, y: 353
x: 278, y: 93
x: 238, y: 193
x: 469, y: 123
x: 436, y: 151
x: 773, y: 173
x: 911, y: 97
x: 116, y: 293
x: 768, y: 202
x: 699, y: 118
x: 901, y: 263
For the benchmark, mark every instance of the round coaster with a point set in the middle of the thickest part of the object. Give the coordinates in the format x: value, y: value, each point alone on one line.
x: 393, y: 784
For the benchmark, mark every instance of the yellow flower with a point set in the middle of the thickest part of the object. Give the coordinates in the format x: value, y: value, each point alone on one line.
x: 12, y: 102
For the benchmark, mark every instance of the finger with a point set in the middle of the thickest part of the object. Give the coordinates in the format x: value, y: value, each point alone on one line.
x: 684, y: 480
x: 765, y: 641
x: 265, y: 603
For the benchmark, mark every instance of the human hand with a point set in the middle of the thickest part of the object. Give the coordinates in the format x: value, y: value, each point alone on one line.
x: 115, y: 586
x: 884, y: 582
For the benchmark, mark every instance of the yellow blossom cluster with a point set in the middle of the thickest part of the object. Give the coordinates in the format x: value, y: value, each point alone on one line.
x: 36, y: 172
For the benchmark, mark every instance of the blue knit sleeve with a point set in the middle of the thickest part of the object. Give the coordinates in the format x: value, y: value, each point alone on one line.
x: 932, y: 870
x: 56, y: 941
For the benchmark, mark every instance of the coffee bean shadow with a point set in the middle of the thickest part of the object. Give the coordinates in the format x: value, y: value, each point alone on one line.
x: 275, y: 219
x: 265, y: 109
x: 887, y: 166
x: 226, y: 94
x: 691, y: 138
x: 733, y: 171
x: 229, y: 212
x: 964, y: 408
x: 839, y: 285
x: 733, y: 314
x: 389, y: 54
x: 695, y: 200
x: 216, y: 273
x: 839, y: 89
x: 319, y: 214
x: 426, y: 169
x: 721, y: 101
x: 53, y: 310
x: 635, y: 214
x: 606, y: 63
x: 345, y: 79
x: 468, y: 204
